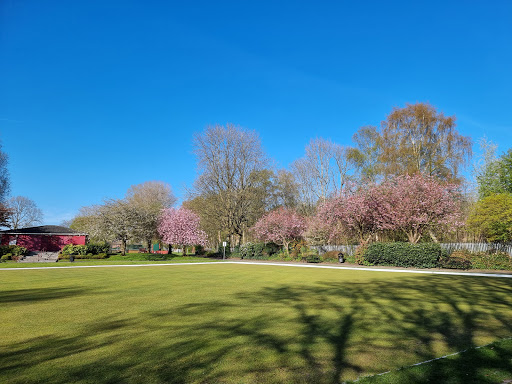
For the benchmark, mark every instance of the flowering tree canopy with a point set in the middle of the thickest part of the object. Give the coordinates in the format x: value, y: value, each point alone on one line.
x: 352, y: 213
x: 181, y: 226
x: 280, y: 226
x: 417, y: 204
x: 413, y: 205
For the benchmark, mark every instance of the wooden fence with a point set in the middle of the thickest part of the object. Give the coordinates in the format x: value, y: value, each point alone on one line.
x: 473, y: 247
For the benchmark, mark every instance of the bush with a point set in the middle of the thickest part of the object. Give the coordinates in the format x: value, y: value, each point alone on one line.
x: 359, y: 253
x: 13, y: 250
x: 424, y: 255
x: 97, y: 249
x: 253, y: 251
x: 496, y: 261
x: 5, y: 257
x: 200, y: 250
x: 457, y: 260
x: 213, y: 254
x: 331, y: 256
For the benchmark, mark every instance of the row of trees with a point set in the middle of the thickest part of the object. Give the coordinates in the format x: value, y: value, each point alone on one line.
x: 236, y: 185
x: 413, y: 206
x: 401, y: 180
x: 133, y: 218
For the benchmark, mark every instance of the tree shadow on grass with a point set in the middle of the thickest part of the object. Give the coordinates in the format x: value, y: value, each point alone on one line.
x: 39, y: 294
x: 297, y: 333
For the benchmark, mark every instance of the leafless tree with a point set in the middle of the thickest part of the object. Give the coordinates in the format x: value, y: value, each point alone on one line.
x: 23, y: 212
x: 227, y: 159
x: 322, y: 172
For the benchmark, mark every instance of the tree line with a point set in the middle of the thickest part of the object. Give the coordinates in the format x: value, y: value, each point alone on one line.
x: 401, y: 180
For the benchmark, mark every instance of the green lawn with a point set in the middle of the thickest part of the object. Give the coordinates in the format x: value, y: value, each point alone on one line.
x: 113, y: 260
x: 250, y: 324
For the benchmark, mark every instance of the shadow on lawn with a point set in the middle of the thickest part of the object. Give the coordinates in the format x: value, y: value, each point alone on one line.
x: 39, y: 294
x: 322, y: 333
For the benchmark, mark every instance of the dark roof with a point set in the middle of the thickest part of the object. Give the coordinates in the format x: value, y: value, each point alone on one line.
x: 43, y: 230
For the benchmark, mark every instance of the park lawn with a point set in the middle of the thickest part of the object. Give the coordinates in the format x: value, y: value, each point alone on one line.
x: 247, y: 324
x: 129, y: 259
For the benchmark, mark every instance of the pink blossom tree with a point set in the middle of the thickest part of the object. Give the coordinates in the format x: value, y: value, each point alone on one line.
x: 418, y: 204
x: 351, y: 214
x: 280, y: 226
x: 180, y: 226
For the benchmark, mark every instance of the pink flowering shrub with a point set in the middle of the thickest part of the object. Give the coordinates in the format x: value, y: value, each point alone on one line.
x: 280, y: 226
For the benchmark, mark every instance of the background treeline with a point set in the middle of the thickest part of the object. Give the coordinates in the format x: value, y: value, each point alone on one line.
x: 408, y: 167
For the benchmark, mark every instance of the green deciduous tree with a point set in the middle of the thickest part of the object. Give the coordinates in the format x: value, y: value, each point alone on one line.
x: 492, y: 218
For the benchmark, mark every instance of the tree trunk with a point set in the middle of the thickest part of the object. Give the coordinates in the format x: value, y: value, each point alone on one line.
x: 434, y: 238
x: 148, y: 245
x: 169, y: 252
x: 286, y: 245
x: 123, y: 247
x: 184, y: 250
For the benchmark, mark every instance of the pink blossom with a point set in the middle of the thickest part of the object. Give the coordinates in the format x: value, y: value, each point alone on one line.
x: 280, y: 226
x: 181, y: 226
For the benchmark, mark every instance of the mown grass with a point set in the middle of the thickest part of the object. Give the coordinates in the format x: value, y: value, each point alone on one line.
x: 248, y: 324
x: 128, y: 259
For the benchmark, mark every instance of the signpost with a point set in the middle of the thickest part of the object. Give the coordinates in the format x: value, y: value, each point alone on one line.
x: 224, y: 254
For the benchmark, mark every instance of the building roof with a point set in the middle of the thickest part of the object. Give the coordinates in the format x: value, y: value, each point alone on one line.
x: 43, y: 230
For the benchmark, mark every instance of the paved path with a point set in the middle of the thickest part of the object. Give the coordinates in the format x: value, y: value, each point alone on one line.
x: 429, y: 272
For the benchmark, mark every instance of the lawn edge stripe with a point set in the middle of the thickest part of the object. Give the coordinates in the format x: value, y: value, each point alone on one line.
x: 429, y: 361
x: 479, y: 274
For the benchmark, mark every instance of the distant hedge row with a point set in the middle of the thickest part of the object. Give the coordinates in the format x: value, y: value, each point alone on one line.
x: 425, y: 255
x: 430, y: 255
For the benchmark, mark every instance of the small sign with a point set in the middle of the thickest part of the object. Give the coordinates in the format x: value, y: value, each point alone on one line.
x: 224, y: 243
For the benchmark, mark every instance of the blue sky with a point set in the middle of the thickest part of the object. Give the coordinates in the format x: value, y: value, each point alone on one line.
x: 96, y: 96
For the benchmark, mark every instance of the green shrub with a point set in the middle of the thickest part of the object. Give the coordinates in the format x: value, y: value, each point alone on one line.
x: 350, y: 259
x: 359, y: 253
x: 213, y: 254
x: 200, y: 250
x: 271, y: 249
x: 96, y: 249
x: 13, y: 250
x: 253, y: 251
x: 5, y: 257
x: 496, y: 261
x: 425, y: 255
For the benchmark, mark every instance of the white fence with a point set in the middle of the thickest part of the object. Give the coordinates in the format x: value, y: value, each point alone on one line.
x: 473, y: 247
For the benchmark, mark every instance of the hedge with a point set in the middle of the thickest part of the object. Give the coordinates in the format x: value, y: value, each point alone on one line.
x: 423, y: 255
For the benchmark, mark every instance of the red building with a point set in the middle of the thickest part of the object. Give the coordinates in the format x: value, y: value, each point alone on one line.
x: 51, y: 238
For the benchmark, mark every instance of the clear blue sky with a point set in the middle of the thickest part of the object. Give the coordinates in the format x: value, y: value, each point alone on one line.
x: 98, y: 95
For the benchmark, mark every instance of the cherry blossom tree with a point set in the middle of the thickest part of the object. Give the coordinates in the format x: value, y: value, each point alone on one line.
x: 280, y: 226
x: 351, y: 214
x: 417, y: 205
x: 180, y: 226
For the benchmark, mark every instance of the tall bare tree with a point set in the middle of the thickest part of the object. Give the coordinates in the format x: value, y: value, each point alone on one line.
x: 23, y: 212
x: 227, y: 159
x: 322, y: 172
